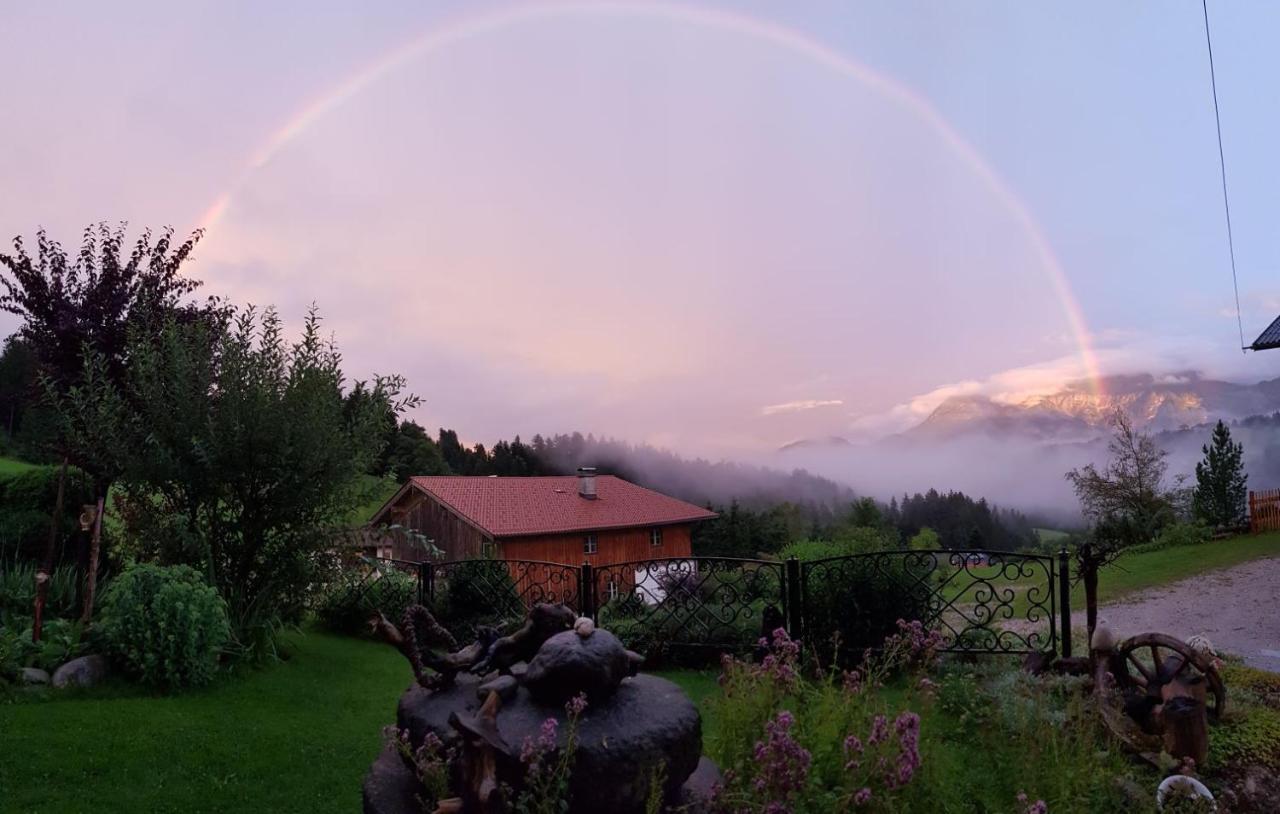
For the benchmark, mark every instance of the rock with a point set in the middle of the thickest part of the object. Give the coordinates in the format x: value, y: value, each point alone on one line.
x: 390, y: 785
x: 85, y: 671
x: 504, y: 686
x: 648, y: 721
x: 33, y: 675
x: 568, y: 664
x: 698, y: 792
x: 584, y: 627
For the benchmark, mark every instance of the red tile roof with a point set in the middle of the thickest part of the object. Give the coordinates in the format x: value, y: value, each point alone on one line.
x: 515, y: 506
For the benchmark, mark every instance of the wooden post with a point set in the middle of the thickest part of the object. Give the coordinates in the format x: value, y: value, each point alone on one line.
x: 44, y: 573
x: 1064, y: 590
x: 793, y: 599
x: 91, y: 581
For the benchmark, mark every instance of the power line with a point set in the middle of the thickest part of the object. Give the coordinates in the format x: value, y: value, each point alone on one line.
x: 1222, y: 166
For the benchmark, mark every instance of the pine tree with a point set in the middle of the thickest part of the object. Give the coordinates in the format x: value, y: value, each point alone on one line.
x: 1220, y: 492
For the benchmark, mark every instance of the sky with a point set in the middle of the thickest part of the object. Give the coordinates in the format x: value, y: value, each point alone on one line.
x: 712, y: 227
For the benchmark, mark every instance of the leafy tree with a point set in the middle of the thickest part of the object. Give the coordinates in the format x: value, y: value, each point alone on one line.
x: 1129, y: 497
x: 247, y: 449
x: 1126, y: 503
x: 1221, y: 490
x: 74, y: 308
x: 17, y: 381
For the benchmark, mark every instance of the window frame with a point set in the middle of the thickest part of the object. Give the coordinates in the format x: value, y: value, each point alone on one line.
x: 591, y: 543
x: 655, y: 537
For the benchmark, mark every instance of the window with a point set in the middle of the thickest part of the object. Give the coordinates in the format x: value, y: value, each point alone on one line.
x: 488, y: 550
x: 612, y: 589
x: 590, y: 545
x: 655, y: 538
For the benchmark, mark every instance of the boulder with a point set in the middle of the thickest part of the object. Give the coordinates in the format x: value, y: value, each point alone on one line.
x: 647, y: 722
x: 33, y: 675
x: 697, y: 795
x: 390, y: 785
x: 85, y: 671
x: 569, y: 663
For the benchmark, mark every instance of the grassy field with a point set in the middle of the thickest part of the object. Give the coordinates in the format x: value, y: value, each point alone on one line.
x: 9, y: 466
x: 296, y: 736
x: 1147, y: 569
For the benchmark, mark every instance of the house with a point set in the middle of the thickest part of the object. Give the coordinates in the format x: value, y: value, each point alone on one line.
x: 1268, y: 339
x: 593, y: 518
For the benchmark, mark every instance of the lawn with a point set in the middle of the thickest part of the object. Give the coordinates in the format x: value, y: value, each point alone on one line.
x: 11, y: 466
x: 1147, y: 569
x: 295, y: 736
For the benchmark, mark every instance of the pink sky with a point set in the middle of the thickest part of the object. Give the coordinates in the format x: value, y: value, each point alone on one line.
x: 655, y: 224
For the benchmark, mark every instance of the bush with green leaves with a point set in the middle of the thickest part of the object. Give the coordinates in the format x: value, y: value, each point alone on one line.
x: 358, y: 593
x: 163, y: 625
x: 27, y: 499
x: 855, y: 597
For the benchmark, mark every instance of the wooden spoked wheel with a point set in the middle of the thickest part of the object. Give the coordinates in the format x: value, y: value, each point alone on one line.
x: 1151, y: 662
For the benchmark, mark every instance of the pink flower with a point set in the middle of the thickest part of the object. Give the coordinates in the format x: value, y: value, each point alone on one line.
x: 862, y: 796
x: 576, y: 705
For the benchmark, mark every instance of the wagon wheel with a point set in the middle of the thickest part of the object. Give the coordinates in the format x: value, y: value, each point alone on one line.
x: 1151, y: 661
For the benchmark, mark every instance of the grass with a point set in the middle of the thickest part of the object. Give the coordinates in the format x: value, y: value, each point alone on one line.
x: 296, y: 736
x: 1134, y: 572
x: 12, y: 466
x: 1051, y: 535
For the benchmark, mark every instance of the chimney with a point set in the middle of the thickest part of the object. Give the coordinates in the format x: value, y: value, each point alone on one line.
x: 587, y: 482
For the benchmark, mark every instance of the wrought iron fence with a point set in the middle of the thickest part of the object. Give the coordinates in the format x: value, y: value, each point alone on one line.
x: 978, y: 601
x: 467, y: 594
x: 678, y: 607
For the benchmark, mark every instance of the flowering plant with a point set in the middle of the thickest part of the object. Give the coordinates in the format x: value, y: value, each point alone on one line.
x: 548, y: 769
x: 430, y: 763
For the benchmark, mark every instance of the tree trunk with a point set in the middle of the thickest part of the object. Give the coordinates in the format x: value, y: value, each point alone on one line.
x: 46, y: 568
x: 91, y: 580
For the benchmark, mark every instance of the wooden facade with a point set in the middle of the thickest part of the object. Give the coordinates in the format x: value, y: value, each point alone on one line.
x: 612, y: 545
x: 1264, y: 510
x: 449, y: 532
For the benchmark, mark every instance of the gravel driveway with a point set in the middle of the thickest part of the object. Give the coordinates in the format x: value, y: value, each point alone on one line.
x: 1237, y: 608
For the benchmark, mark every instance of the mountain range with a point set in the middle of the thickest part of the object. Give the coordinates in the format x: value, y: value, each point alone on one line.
x: 1078, y: 413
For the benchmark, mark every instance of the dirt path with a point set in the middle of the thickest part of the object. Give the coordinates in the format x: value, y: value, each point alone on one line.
x: 1237, y: 608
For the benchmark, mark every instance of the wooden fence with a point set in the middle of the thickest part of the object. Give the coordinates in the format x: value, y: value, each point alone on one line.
x: 1264, y: 510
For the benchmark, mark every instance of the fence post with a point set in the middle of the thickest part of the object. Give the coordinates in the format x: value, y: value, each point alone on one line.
x: 1064, y: 591
x: 425, y: 583
x: 791, y: 598
x: 587, y: 590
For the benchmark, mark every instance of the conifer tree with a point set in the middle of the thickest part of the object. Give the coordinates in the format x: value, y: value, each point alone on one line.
x: 1220, y: 493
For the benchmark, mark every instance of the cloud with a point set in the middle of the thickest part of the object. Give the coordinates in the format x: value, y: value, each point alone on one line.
x: 799, y: 406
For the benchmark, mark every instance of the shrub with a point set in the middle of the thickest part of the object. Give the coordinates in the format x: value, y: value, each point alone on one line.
x: 358, y: 593
x: 164, y: 625
x: 1176, y: 535
x: 855, y: 602
x: 473, y: 593
x: 27, y: 499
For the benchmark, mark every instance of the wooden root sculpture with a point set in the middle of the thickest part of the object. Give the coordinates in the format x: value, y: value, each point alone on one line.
x: 1158, y: 694
x: 544, y: 621
x: 417, y: 633
x: 483, y: 750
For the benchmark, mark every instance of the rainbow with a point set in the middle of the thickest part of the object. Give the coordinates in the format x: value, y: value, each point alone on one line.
x: 772, y: 33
